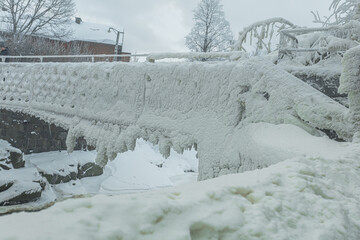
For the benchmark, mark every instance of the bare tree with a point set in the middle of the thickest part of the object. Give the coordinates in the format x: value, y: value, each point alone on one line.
x: 34, y: 45
x: 47, y: 18
x: 211, y: 31
x: 342, y: 11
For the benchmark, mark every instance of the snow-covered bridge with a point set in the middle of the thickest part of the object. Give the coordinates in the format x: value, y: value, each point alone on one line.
x: 209, y: 106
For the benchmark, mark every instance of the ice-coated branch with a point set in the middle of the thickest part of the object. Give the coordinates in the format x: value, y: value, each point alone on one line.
x: 260, y: 31
x: 342, y: 12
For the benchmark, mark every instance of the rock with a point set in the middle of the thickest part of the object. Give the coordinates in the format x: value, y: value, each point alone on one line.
x: 18, y: 186
x: 327, y: 84
x: 5, y: 186
x: 20, y: 193
x: 54, y: 178
x: 16, y: 159
x: 4, y: 167
x: 89, y: 169
x: 10, y: 157
x: 32, y: 135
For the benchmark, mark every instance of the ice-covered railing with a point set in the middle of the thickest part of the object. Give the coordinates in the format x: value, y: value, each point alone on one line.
x: 350, y: 84
x: 72, y: 58
x: 150, y: 57
x: 232, y: 56
x: 176, y: 105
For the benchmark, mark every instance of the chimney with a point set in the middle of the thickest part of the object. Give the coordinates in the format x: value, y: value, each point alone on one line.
x: 78, y: 20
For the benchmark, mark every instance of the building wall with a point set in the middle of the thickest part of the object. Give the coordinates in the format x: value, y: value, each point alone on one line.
x: 100, y: 48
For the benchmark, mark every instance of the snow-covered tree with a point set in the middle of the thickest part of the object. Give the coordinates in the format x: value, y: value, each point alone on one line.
x: 36, y: 17
x: 342, y: 11
x: 211, y: 31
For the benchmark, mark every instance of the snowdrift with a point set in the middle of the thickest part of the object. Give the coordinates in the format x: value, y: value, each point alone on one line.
x: 310, y: 197
x: 175, y: 105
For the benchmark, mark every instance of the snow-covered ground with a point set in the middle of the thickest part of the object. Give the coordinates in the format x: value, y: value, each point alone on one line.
x: 313, y: 194
x: 134, y: 171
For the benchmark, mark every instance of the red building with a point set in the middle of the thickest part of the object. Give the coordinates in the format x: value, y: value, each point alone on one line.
x: 96, y: 38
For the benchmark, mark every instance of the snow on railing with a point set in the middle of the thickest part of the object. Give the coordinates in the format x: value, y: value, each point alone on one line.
x: 70, y: 58
x: 151, y: 57
x: 232, y: 56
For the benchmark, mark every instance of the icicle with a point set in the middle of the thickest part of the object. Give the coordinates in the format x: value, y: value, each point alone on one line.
x: 101, y: 157
x: 130, y: 135
x: 120, y: 145
x: 164, y: 146
x: 154, y: 137
x: 70, y: 140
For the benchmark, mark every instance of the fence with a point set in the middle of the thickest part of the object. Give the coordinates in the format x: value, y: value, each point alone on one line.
x: 193, y: 56
x: 73, y: 58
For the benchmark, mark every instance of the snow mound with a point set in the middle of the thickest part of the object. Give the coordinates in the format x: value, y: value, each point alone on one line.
x: 306, y: 197
x: 175, y: 105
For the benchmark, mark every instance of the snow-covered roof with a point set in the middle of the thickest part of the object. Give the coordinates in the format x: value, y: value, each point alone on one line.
x: 86, y: 31
x: 92, y: 32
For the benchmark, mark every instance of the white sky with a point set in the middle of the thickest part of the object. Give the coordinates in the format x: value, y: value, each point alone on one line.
x: 161, y: 25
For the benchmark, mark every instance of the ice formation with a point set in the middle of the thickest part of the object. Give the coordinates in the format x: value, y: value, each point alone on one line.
x: 175, y: 105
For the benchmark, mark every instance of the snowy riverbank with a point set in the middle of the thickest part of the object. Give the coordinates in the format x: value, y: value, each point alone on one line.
x: 134, y: 171
x: 313, y: 194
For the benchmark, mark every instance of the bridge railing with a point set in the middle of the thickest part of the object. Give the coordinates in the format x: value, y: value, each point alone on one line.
x: 73, y: 58
x: 150, y: 57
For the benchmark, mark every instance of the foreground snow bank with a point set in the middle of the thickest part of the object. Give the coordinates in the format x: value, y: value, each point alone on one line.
x: 178, y: 106
x: 300, y: 198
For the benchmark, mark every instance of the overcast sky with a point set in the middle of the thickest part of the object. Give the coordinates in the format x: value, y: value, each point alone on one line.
x: 161, y: 25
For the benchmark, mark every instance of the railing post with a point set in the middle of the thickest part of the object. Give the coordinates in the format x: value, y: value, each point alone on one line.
x: 350, y: 84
